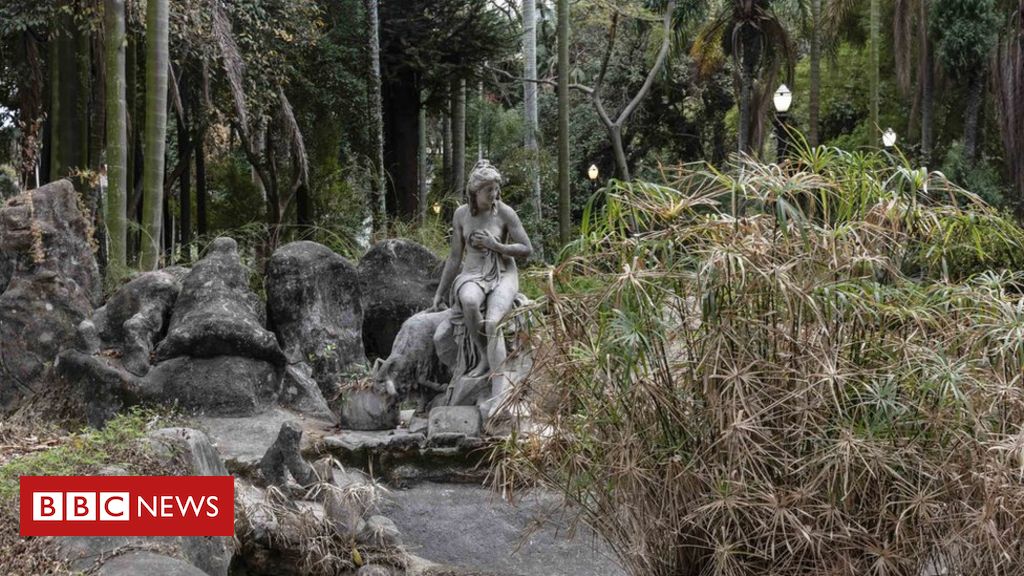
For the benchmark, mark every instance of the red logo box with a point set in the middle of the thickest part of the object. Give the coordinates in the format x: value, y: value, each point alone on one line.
x: 127, y: 506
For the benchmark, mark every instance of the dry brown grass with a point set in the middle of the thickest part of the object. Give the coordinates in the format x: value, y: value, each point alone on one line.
x: 828, y: 385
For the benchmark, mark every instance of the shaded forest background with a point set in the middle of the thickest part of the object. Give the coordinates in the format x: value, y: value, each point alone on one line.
x: 273, y: 133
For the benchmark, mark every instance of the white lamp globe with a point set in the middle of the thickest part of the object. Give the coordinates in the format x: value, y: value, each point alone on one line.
x: 782, y: 99
x: 889, y: 138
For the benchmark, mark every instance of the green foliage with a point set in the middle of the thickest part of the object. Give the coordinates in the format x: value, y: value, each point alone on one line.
x: 966, y: 31
x: 810, y: 388
x: 980, y: 177
x: 87, y: 451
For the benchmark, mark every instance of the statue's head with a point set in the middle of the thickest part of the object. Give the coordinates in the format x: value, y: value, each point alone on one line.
x: 484, y: 188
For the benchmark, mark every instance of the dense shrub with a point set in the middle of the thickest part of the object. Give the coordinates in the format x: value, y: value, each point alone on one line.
x: 820, y: 386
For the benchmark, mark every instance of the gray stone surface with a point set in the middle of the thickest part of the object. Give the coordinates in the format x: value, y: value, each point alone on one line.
x: 301, y: 393
x: 217, y: 314
x: 39, y: 314
x: 98, y: 384
x: 44, y: 230
x: 223, y: 385
x: 471, y: 527
x: 380, y: 532
x: 135, y: 317
x: 356, y: 441
x: 368, y: 409
x: 313, y: 303
x: 454, y: 420
x: 192, y: 447
x: 373, y: 570
x: 148, y: 564
x: 242, y: 441
x: 397, y: 278
x: 211, y: 555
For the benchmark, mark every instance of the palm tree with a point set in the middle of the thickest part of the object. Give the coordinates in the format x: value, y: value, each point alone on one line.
x: 377, y: 206
x: 563, y: 122
x: 156, y: 131
x: 749, y: 32
x: 966, y: 33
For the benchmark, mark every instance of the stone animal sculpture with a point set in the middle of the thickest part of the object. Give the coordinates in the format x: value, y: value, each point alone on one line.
x: 415, y: 366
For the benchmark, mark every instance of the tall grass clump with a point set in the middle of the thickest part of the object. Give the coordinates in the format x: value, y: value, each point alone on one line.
x: 806, y: 370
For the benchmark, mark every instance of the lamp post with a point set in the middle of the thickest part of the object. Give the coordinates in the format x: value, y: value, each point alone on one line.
x: 889, y: 138
x: 592, y: 173
x: 782, y: 99
x: 436, y: 208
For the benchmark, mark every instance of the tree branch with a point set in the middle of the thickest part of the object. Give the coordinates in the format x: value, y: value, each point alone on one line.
x: 612, y: 33
x: 546, y: 81
x: 666, y: 43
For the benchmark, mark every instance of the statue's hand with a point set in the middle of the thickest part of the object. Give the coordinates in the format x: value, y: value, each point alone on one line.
x: 438, y: 304
x: 482, y: 239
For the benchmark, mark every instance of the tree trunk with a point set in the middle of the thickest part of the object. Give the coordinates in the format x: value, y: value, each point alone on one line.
x: 185, y: 179
x: 30, y: 103
x: 975, y: 95
x: 69, y: 99
x: 422, y: 200
x: 814, y: 98
x: 875, y: 23
x: 401, y: 139
x: 459, y: 140
x: 530, y: 106
x: 621, y: 165
x: 156, y: 131
x: 746, y: 93
x: 564, y: 224
x: 376, y: 121
x: 132, y: 113
x: 446, y: 146
x: 117, y: 138
x: 925, y: 69
x: 201, y: 228
x: 480, y: 122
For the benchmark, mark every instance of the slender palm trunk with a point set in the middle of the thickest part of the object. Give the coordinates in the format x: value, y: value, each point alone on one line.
x: 422, y: 163
x: 459, y: 139
x: 185, y: 179
x: 377, y: 202
x: 926, y: 66
x: 117, y: 138
x: 875, y: 24
x: 814, y: 98
x: 972, y: 113
x: 446, y: 146
x: 746, y: 94
x: 156, y: 131
x: 530, y: 102
x: 564, y: 224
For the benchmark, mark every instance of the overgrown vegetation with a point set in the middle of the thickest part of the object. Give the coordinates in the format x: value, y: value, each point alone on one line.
x: 43, y: 450
x: 829, y: 383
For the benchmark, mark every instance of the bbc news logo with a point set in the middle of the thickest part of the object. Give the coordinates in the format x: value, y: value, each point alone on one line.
x: 127, y: 506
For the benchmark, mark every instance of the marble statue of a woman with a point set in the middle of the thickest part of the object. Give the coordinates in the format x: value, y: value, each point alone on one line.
x: 480, y: 276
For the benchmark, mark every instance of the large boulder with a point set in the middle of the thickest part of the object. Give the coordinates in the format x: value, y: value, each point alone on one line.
x: 313, y: 305
x: 38, y: 318
x: 136, y: 315
x: 217, y: 314
x: 220, y: 386
x: 397, y: 278
x: 45, y: 231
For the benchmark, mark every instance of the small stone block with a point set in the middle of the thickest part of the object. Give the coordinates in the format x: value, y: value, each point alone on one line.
x: 446, y: 420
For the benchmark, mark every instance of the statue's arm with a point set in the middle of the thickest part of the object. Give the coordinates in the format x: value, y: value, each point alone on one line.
x: 451, y: 266
x: 519, y: 243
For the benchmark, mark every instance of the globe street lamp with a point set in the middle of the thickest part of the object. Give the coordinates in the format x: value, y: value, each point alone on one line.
x: 436, y: 208
x: 782, y: 99
x: 889, y: 138
x: 592, y: 172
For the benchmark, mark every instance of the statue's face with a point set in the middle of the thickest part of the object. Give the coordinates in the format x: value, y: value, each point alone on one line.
x: 486, y: 196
